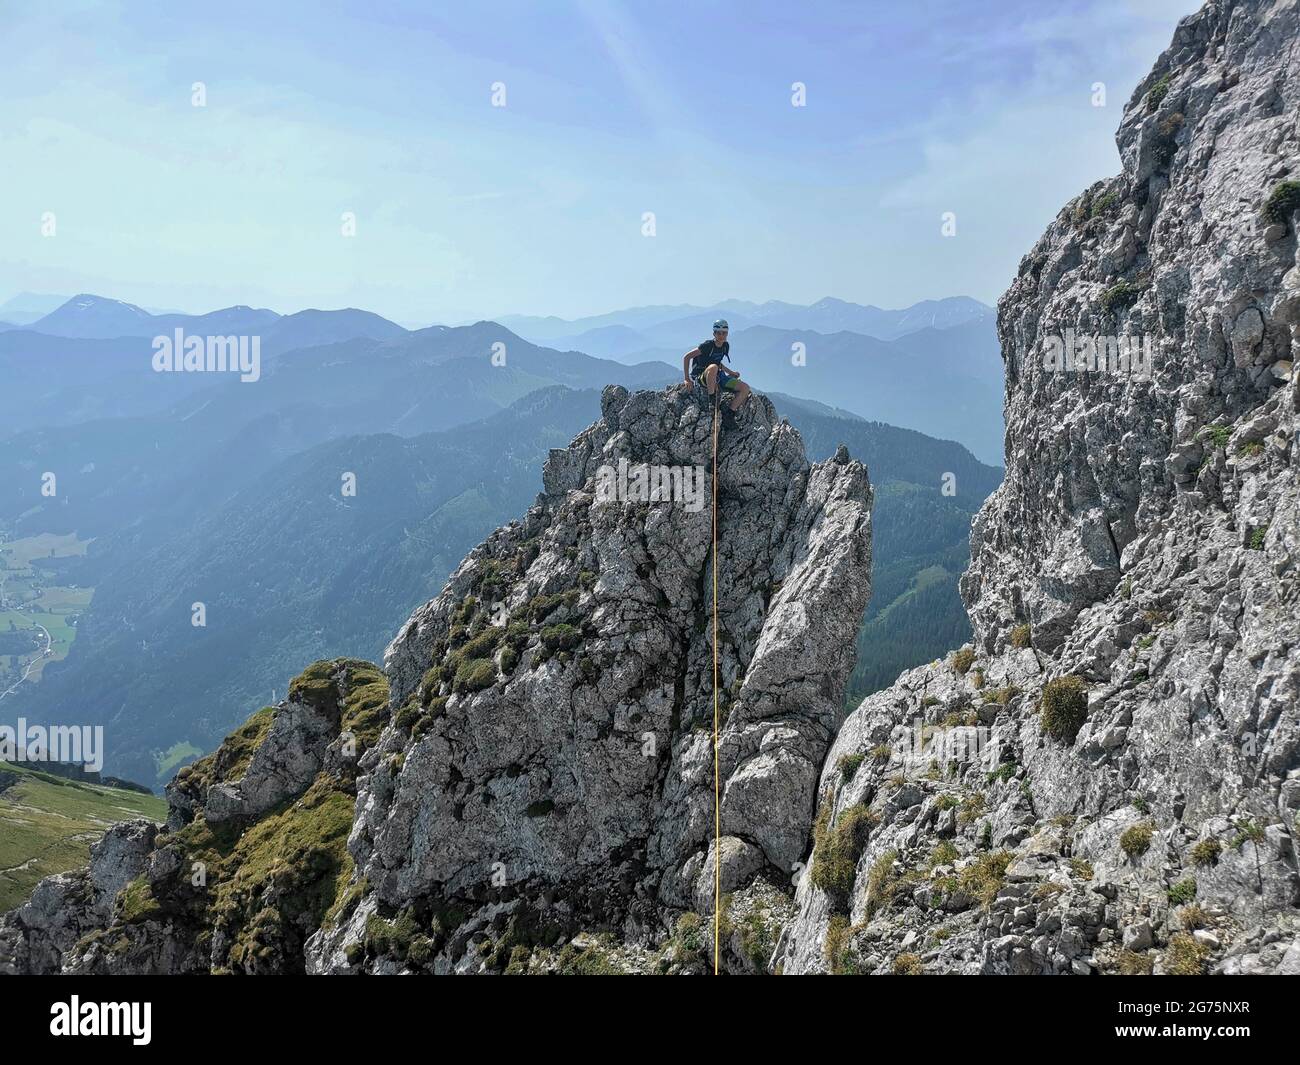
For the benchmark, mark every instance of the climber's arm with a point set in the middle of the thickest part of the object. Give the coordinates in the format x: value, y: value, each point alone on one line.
x: 686, y: 364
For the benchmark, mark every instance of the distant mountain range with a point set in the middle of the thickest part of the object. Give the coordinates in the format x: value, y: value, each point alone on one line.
x: 287, y: 566
x: 367, y: 383
x: 638, y: 328
x: 935, y: 367
x: 27, y: 307
x: 89, y: 317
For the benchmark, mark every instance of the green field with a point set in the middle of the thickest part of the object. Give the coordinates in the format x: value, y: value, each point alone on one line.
x: 30, y: 601
x: 20, y: 553
x: 921, y: 580
x: 47, y: 825
x: 170, y: 759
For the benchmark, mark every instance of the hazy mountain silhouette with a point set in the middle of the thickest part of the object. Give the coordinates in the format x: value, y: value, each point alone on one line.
x: 944, y: 382
x: 669, y: 323
x: 90, y: 317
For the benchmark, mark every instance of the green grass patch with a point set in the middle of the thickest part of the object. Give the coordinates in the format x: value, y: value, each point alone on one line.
x: 1135, y: 840
x: 1131, y: 963
x: 848, y: 766
x: 837, y: 848
x: 1216, y: 435
x: 1185, y: 956
x: 475, y: 675
x: 1158, y: 91
x: 983, y: 879
x: 1103, y: 205
x: 837, y: 949
x: 166, y: 761
x: 1283, y: 201
x: 1063, y: 708
x: 907, y: 964
x: 1120, y: 296
x: 561, y: 637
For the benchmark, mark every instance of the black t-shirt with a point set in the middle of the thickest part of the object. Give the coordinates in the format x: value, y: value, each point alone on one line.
x: 709, y: 354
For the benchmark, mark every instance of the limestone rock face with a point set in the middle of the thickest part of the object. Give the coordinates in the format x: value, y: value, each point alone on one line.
x: 1109, y: 778
x: 35, y: 937
x: 551, y: 758
x: 1099, y: 460
x: 285, y: 762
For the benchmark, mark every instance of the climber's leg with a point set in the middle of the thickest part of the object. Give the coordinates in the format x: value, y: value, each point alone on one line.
x: 740, y: 392
x: 711, y: 378
x: 733, y: 386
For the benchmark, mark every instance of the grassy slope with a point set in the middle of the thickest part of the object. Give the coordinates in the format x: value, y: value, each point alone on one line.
x: 47, y: 825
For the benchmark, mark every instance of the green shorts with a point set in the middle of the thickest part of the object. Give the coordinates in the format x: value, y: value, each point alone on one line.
x: 727, y: 381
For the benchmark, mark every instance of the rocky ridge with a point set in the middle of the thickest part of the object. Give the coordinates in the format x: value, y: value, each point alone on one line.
x: 534, y: 787
x: 550, y: 770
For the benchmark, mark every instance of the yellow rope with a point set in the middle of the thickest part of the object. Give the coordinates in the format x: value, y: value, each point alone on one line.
x: 717, y: 808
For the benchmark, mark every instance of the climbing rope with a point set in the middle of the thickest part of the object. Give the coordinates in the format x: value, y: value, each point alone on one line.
x: 717, y: 808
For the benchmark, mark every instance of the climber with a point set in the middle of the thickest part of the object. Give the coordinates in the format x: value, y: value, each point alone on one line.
x: 703, y: 365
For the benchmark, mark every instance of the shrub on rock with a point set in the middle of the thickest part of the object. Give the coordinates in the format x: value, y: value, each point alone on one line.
x: 1063, y: 708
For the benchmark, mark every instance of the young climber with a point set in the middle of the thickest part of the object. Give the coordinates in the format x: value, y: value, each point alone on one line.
x: 703, y: 365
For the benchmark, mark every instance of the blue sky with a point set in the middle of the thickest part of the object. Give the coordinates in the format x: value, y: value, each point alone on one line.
x: 466, y: 210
